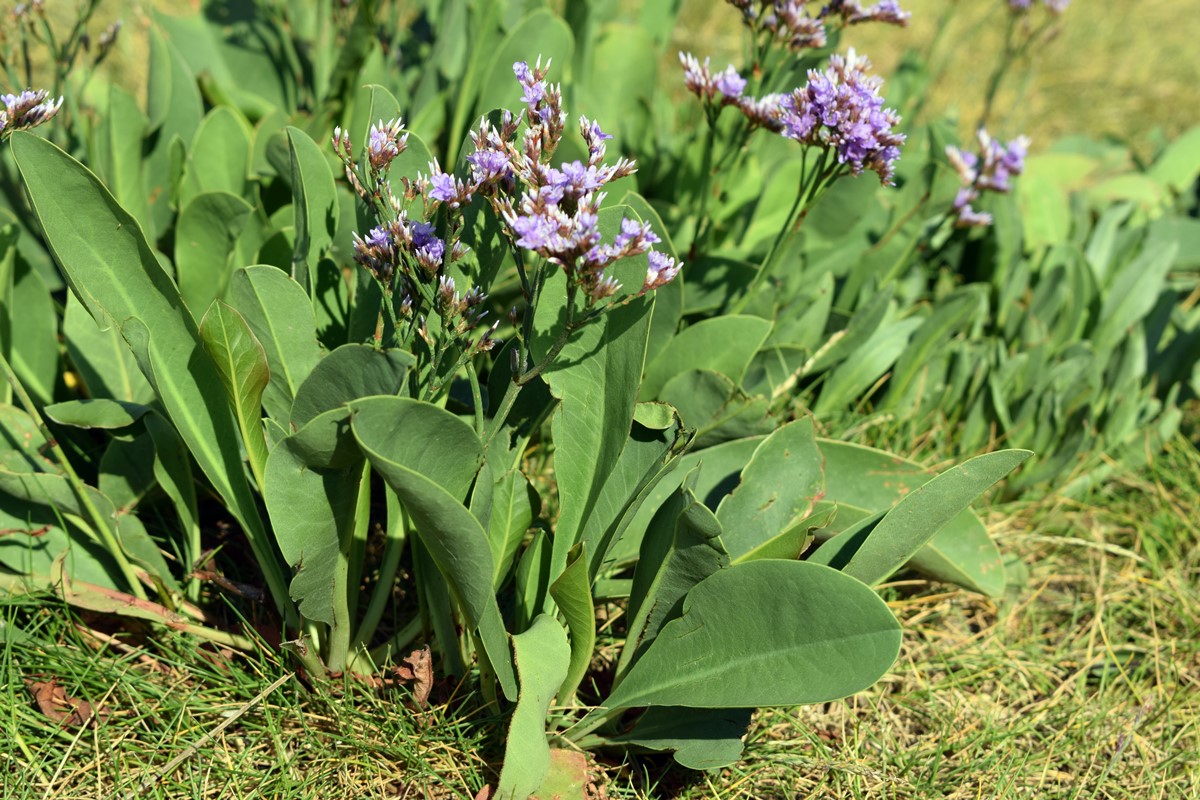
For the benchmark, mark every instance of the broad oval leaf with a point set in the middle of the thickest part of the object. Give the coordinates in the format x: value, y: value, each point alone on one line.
x: 766, y: 633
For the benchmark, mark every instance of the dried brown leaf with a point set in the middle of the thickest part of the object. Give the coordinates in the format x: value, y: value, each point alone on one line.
x: 53, y: 701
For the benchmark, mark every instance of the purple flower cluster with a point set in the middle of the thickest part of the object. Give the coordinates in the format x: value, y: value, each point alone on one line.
x: 400, y: 243
x: 556, y: 214
x: 840, y: 109
x: 726, y: 86
x: 802, y: 24
x: 26, y: 110
x: 988, y: 172
x: 1055, y: 7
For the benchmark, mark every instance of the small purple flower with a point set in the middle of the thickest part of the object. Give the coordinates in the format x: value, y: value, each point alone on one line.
x: 594, y: 138
x: 380, y: 238
x: 385, y: 141
x: 488, y: 166
x: 662, y: 270
x: 441, y: 187
x: 428, y: 249
x: 730, y: 83
x: 445, y: 188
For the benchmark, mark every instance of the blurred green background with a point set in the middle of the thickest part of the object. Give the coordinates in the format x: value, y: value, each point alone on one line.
x: 1125, y: 68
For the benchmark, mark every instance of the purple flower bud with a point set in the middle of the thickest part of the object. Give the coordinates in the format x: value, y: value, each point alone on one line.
x: 662, y: 271
x: 27, y: 110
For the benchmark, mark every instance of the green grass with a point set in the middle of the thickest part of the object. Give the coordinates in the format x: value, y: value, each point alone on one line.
x: 1083, y: 682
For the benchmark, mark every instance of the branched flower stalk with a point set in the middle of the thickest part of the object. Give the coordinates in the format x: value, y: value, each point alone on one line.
x: 549, y: 215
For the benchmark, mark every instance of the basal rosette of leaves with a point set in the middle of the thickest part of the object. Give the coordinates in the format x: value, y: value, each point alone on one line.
x: 272, y: 279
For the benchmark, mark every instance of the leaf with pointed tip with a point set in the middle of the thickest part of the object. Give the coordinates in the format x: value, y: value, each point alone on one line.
x: 777, y: 489
x: 573, y: 593
x: 314, y: 197
x: 242, y: 365
x: 281, y: 318
x: 96, y: 413
x: 88, y: 232
x: 920, y: 515
x: 862, y: 480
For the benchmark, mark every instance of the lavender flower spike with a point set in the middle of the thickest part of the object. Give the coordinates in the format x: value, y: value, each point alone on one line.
x: 27, y: 110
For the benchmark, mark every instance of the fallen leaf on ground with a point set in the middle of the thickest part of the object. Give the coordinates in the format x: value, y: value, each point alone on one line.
x: 418, y: 668
x: 54, y: 702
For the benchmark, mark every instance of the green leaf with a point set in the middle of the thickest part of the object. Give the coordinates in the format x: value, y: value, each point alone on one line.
x: 962, y: 307
x: 1132, y: 294
x: 219, y: 158
x: 682, y: 547
x: 314, y: 197
x: 720, y: 467
x: 33, y: 347
x: 1179, y: 165
x: 712, y: 405
x: 542, y: 656
x: 281, y: 319
x: 850, y: 381
x: 721, y: 344
x: 572, y: 593
x: 777, y: 490
x: 729, y: 650
x: 173, y: 471
x: 55, y: 490
x: 348, y: 373
x: 174, y: 110
x: 920, y: 515
x: 242, y: 365
x: 699, y: 738
x: 513, y: 499
x: 312, y: 514
x: 120, y: 138
x: 205, y: 237
x: 862, y: 326
x: 88, y: 232
x: 102, y: 358
x: 862, y: 480
x: 96, y: 413
x: 430, y: 457
x: 596, y: 378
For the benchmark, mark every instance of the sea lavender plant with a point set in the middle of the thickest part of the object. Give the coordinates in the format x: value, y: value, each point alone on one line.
x: 551, y: 211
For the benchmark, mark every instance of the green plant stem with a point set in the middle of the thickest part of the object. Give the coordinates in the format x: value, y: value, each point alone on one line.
x: 381, y: 595
x: 107, y: 536
x: 234, y: 640
x: 769, y: 261
x: 476, y: 398
x: 400, y: 639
